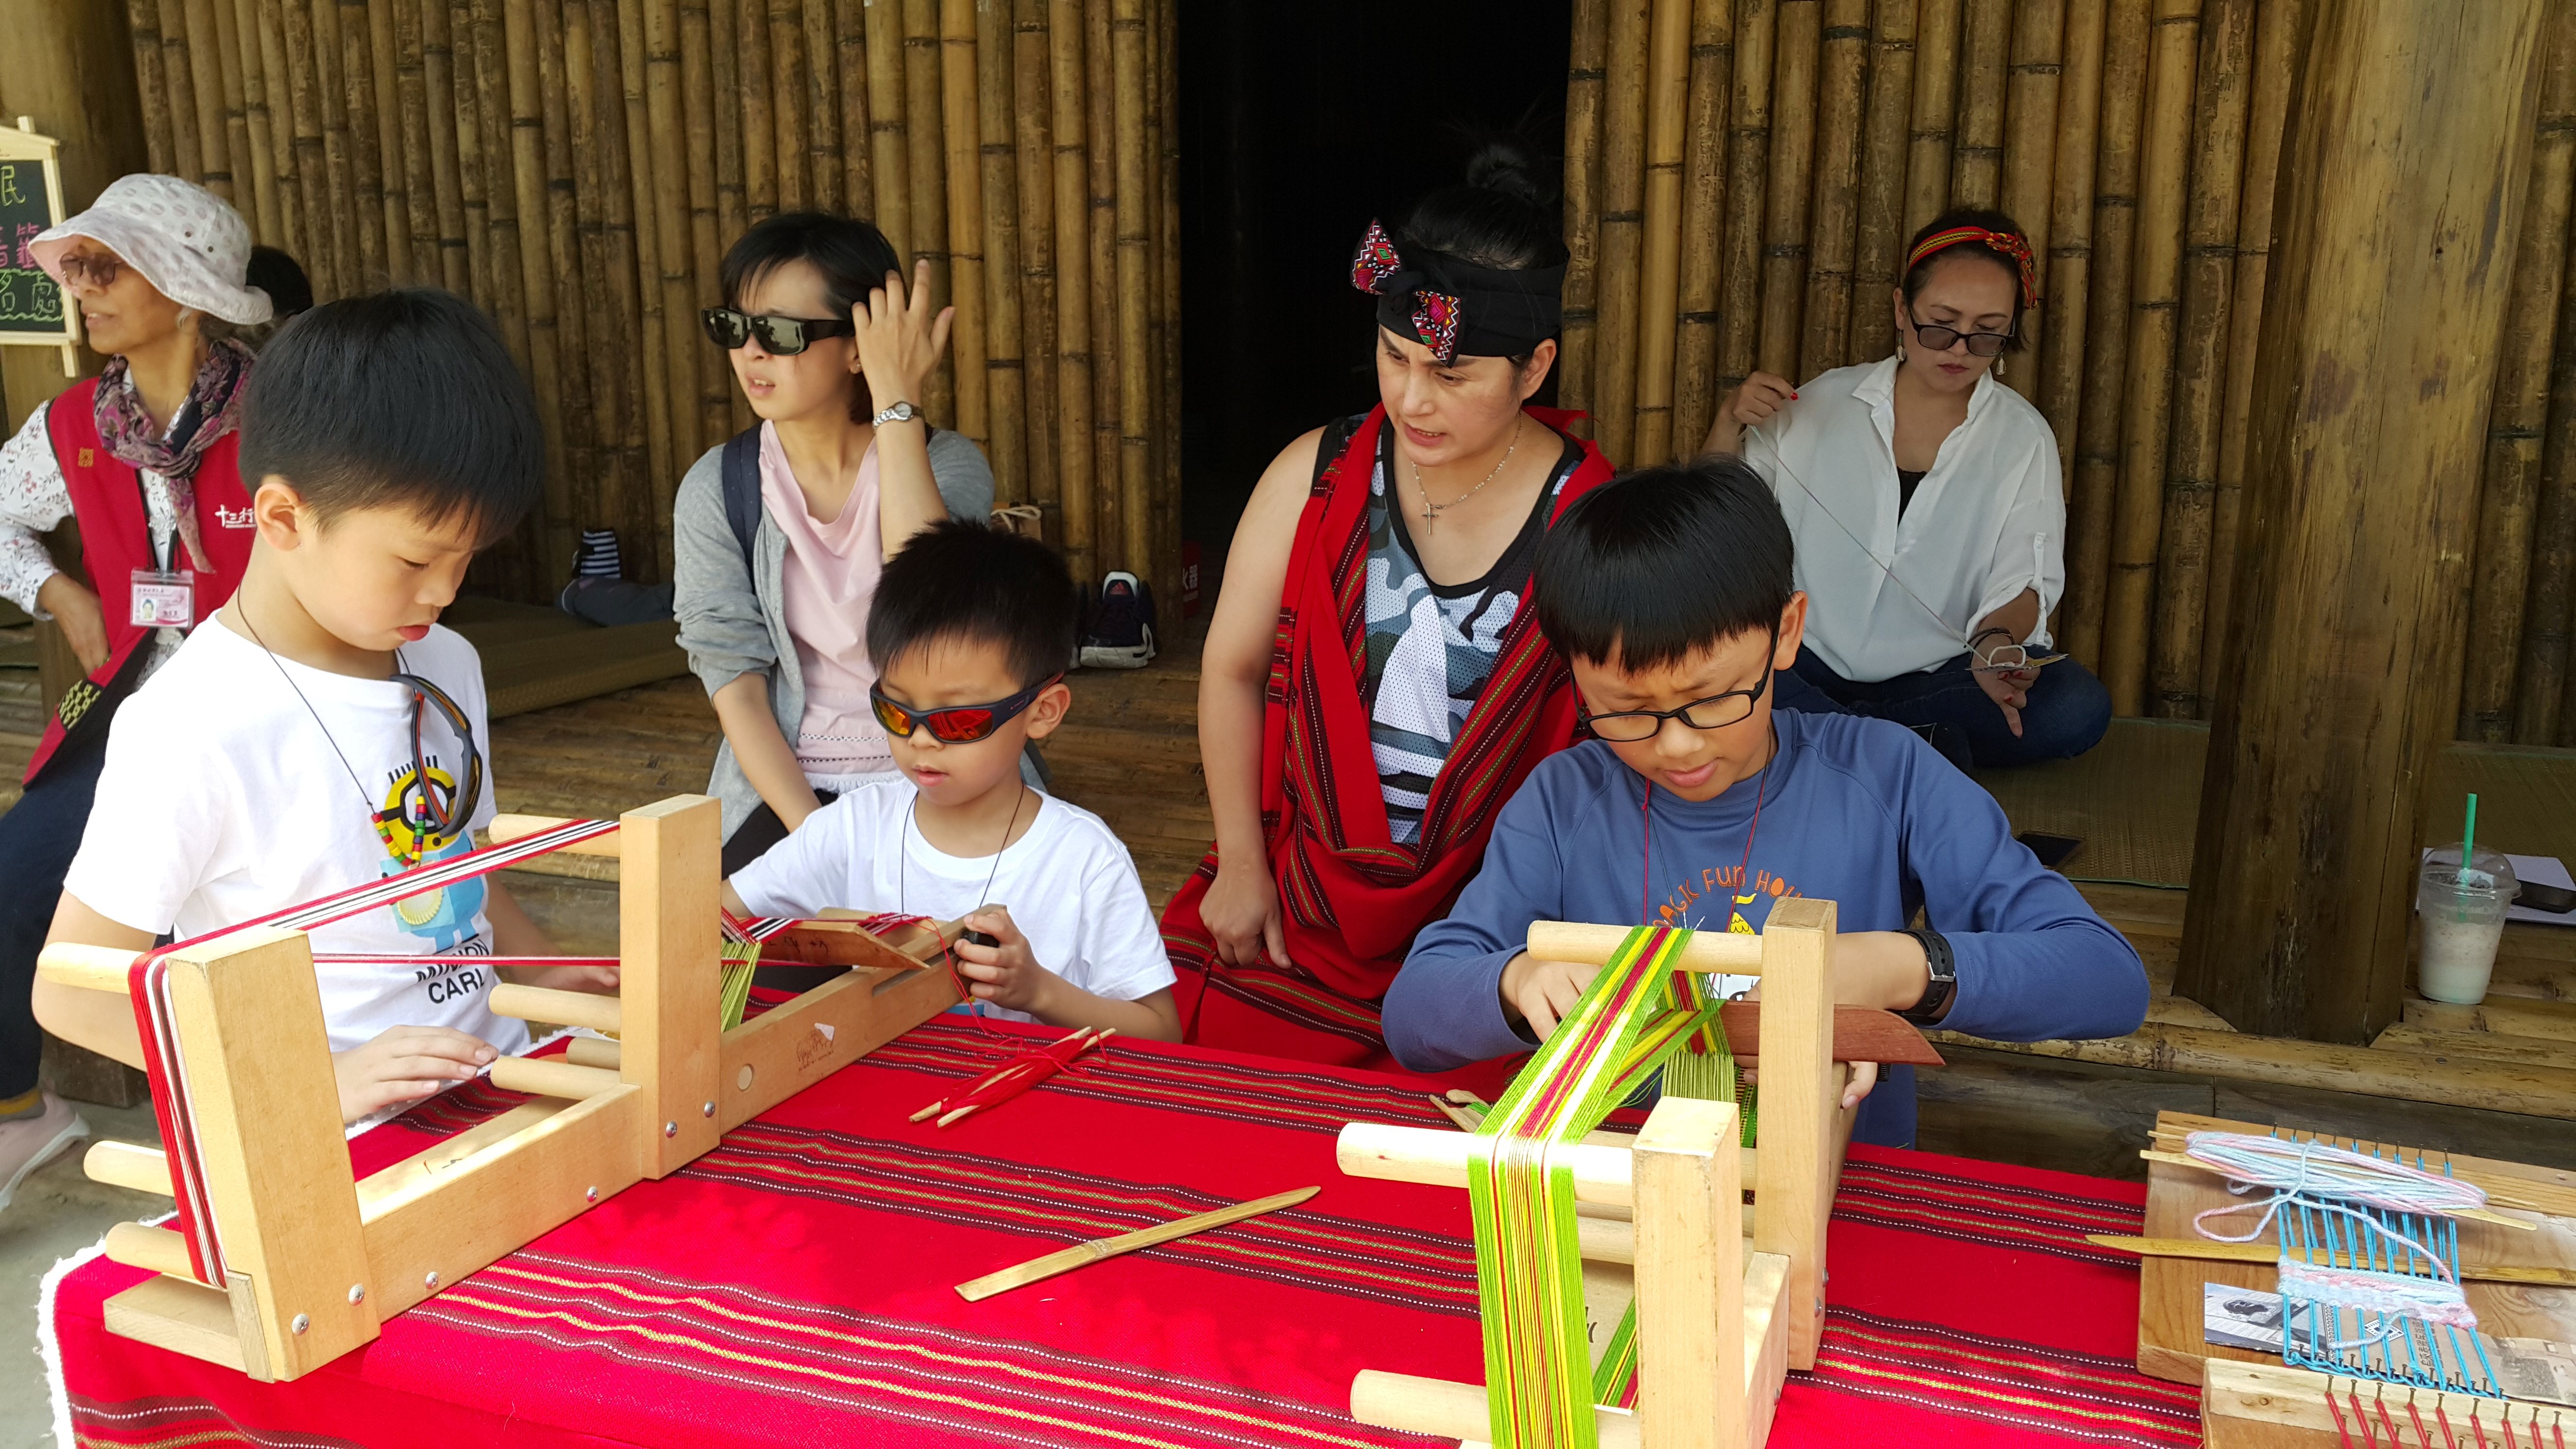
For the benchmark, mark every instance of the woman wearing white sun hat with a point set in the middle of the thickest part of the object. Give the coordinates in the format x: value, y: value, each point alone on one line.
x: 143, y: 457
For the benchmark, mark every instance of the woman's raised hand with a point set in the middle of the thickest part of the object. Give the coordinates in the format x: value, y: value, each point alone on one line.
x: 900, y: 341
x: 1755, y: 398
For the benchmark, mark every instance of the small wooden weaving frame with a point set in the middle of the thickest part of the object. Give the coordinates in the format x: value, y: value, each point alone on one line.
x: 312, y: 1260
x: 1722, y: 1315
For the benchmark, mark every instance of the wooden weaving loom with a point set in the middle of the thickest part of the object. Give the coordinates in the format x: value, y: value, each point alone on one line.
x: 1720, y: 1316
x: 285, y: 1260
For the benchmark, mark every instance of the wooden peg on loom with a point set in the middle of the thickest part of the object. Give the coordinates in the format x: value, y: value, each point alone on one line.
x: 2472, y: 1215
x: 1029, y: 1067
x: 2212, y: 1251
x: 1063, y: 1261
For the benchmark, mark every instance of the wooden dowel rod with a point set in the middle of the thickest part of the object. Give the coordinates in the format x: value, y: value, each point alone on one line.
x: 1447, y: 1409
x: 563, y: 1008
x: 591, y: 1051
x: 155, y: 1250
x: 506, y: 828
x: 1439, y: 1159
x: 1591, y: 945
x: 546, y: 1077
x: 128, y: 1165
x: 2208, y: 1251
x: 92, y: 968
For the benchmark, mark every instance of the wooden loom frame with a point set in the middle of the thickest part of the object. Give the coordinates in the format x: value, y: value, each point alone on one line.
x: 318, y: 1259
x: 1719, y: 1321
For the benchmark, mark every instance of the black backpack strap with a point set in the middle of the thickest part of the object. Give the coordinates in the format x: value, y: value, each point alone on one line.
x: 742, y: 488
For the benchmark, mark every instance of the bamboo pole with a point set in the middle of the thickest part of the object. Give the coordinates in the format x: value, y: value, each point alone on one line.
x: 1659, y: 303
x: 1068, y: 78
x: 438, y: 100
x: 925, y: 130
x: 2031, y: 154
x: 259, y: 139
x: 2115, y: 209
x: 576, y: 236
x: 2276, y: 60
x: 998, y: 160
x: 1168, y: 432
x: 636, y: 214
x: 822, y: 110
x: 889, y: 143
x: 188, y: 132
x: 382, y: 136
x: 702, y: 108
x: 1936, y: 96
x: 2137, y: 518
x: 662, y: 194
x: 1587, y: 59
x: 758, y: 92
x: 2201, y: 363
x: 562, y: 385
x: 1135, y: 274
x: 2541, y: 715
x: 791, y: 102
x: 961, y: 168
x: 1101, y: 160
x: 1795, y: 52
x: 326, y: 211
x: 411, y: 126
x: 2070, y: 231
x: 206, y: 90
x: 484, y: 241
x: 274, y: 123
x: 1977, y: 156
x: 1033, y: 118
x: 1833, y: 221
x: 360, y: 259
x: 733, y: 195
x: 1623, y: 180
x: 254, y: 185
x: 850, y: 70
x: 1748, y: 162
x: 1878, y: 244
x: 2508, y: 494
x: 1703, y: 220
x: 143, y: 19
x: 356, y: 91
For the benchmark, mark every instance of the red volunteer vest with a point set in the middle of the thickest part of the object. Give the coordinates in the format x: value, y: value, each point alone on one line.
x: 116, y: 539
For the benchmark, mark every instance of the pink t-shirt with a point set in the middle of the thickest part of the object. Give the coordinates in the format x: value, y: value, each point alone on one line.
x: 831, y: 572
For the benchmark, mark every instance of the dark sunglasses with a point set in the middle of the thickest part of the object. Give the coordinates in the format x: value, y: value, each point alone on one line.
x: 1942, y: 339
x: 959, y: 724
x: 99, y: 272
x: 785, y: 336
x: 444, y: 814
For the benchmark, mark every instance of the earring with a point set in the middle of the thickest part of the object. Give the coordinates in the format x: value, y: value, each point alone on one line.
x: 1999, y: 369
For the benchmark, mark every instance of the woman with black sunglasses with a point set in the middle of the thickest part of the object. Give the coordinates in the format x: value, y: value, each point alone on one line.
x: 780, y: 534
x: 1924, y: 499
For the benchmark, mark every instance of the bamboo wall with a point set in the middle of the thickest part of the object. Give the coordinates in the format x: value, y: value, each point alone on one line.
x: 578, y: 167
x: 1741, y: 179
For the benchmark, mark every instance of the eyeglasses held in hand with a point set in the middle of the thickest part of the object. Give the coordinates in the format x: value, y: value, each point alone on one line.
x: 957, y: 724
x: 729, y: 329
x: 1935, y: 338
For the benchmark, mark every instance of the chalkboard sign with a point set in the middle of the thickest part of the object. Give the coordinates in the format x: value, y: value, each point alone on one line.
x: 33, y: 310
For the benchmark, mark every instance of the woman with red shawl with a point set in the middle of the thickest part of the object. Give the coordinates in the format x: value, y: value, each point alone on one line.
x: 1375, y: 684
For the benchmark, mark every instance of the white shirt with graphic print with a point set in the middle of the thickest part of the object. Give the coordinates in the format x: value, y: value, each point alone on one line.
x: 227, y: 796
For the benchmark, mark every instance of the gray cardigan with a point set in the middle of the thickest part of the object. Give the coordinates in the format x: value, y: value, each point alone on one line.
x: 733, y: 618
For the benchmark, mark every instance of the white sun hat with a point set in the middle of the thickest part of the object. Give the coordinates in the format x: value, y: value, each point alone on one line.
x: 184, y: 239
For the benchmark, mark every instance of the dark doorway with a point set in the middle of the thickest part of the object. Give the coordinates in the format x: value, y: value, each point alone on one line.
x: 1301, y: 120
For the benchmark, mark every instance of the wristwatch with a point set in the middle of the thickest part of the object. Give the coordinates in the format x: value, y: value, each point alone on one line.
x: 1944, y: 983
x: 902, y: 412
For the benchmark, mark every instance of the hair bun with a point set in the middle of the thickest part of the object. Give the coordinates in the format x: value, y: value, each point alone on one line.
x: 1504, y: 164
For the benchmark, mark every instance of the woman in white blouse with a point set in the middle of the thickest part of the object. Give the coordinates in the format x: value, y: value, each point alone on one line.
x: 1930, y: 528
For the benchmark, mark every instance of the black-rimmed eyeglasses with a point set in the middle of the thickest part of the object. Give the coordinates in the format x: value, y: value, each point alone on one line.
x: 1712, y: 712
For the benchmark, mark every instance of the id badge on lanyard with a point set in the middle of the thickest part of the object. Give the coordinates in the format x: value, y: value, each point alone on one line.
x: 164, y: 596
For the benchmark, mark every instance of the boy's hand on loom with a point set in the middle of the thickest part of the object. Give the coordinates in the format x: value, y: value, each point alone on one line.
x: 405, y: 1064
x: 1542, y: 992
x: 1007, y: 975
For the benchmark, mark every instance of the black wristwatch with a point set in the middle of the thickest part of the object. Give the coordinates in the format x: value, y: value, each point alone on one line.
x: 1944, y: 983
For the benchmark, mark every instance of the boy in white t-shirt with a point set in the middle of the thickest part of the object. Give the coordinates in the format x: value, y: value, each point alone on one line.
x: 322, y: 731
x: 970, y: 629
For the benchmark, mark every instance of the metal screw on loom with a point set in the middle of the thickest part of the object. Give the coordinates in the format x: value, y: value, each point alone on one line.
x: 592, y: 1195
x: 670, y: 1129
x: 357, y: 1292
x: 302, y: 1322
x: 432, y: 1281
x: 707, y: 1109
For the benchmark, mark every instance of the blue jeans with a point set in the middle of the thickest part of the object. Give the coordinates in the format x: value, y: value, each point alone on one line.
x: 2068, y: 713
x: 38, y: 838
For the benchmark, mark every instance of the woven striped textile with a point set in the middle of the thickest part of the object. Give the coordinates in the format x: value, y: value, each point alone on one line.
x: 795, y: 1287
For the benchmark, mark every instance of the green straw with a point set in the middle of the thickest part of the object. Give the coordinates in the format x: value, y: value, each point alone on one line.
x: 2468, y: 850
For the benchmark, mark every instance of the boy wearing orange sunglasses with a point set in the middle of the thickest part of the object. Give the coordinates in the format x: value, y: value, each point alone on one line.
x: 970, y: 631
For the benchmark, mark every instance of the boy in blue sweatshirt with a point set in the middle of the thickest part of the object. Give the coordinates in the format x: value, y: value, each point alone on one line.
x: 1669, y: 592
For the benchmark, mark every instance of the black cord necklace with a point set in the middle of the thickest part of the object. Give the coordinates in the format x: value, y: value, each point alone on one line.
x: 242, y: 612
x: 903, y: 864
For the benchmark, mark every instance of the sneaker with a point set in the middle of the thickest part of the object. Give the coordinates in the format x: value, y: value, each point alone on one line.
x: 1122, y: 628
x: 30, y: 1142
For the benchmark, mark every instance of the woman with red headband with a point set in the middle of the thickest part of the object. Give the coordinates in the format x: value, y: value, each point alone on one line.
x: 1930, y: 526
x: 1375, y: 684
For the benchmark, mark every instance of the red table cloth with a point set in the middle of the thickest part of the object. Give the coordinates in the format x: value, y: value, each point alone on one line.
x: 795, y: 1287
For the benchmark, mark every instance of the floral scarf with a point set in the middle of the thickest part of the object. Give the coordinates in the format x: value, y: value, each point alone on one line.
x: 212, y: 409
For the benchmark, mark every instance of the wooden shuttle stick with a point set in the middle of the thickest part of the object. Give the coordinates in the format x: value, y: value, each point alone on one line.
x: 2473, y: 1215
x: 92, y: 968
x: 506, y: 828
x: 1585, y: 945
x: 1081, y: 1254
x: 2206, y: 1251
x: 127, y: 1165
